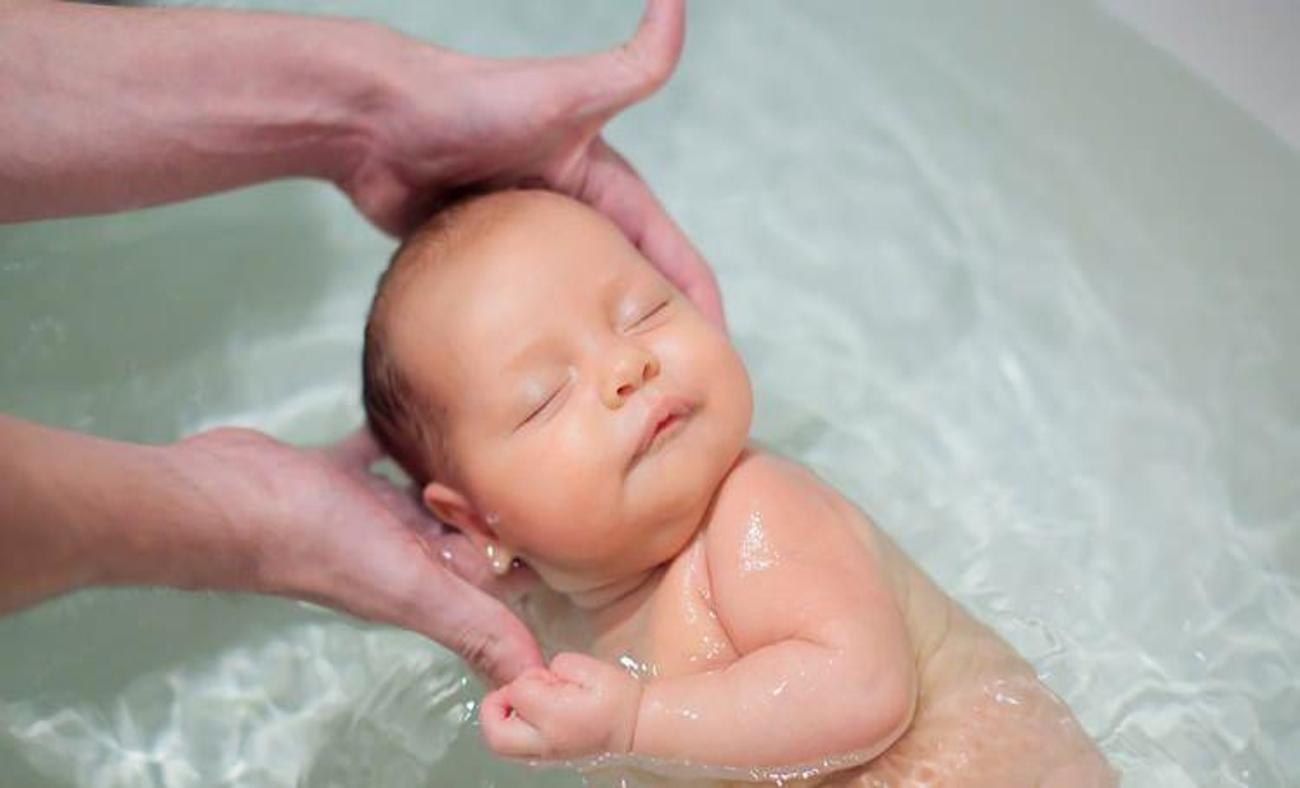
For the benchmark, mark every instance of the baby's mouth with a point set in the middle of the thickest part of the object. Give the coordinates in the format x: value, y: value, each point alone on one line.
x: 664, y: 420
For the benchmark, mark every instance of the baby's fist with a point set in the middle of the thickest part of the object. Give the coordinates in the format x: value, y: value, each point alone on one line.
x: 579, y: 707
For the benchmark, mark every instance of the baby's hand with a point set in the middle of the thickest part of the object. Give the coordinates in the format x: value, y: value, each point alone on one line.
x: 578, y: 707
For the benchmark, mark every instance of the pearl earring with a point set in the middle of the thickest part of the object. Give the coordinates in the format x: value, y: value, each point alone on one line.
x: 500, y: 559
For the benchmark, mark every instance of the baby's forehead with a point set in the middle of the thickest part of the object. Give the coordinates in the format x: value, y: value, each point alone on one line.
x: 486, y: 307
x: 466, y: 296
x: 529, y: 258
x: 503, y: 273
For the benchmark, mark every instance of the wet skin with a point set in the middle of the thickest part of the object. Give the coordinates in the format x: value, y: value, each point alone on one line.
x: 981, y: 717
x: 596, y: 427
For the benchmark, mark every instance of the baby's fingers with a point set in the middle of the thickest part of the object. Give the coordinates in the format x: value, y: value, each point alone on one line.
x: 506, y: 732
x: 582, y: 670
x: 538, y: 696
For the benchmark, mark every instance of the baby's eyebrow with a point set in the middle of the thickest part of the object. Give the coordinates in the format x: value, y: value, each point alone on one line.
x: 519, y: 358
x: 623, y: 276
x: 616, y: 285
x: 525, y: 354
x: 629, y: 281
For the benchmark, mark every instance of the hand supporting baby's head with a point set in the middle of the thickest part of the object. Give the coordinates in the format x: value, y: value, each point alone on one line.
x: 556, y: 398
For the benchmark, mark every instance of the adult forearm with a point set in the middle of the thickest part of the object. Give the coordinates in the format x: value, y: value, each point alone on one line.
x: 77, y: 511
x: 106, y: 109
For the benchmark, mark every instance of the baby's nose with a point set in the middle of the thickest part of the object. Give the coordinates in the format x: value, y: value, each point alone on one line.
x: 629, y: 371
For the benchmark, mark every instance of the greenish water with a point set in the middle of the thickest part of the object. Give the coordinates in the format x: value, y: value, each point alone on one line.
x: 1007, y: 275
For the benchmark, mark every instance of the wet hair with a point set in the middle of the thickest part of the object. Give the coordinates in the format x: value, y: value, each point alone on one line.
x: 411, y: 425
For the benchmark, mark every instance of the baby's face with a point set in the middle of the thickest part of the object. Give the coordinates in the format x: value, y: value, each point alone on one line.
x: 591, y: 411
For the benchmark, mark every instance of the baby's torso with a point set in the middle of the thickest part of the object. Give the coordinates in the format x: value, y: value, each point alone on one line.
x: 966, y: 673
x: 676, y: 628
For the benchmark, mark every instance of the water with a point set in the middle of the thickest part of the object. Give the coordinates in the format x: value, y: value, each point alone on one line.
x: 1009, y: 277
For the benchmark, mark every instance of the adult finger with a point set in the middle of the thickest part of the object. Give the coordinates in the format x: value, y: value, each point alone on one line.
x: 471, y: 623
x: 490, y: 638
x: 471, y: 565
x: 358, y: 449
x: 403, y: 581
x: 604, y: 83
x: 382, y: 197
x: 611, y: 186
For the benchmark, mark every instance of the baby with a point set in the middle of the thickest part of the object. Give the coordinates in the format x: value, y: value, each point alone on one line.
x: 726, y: 611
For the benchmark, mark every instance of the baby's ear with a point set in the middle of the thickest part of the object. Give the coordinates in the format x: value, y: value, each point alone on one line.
x: 454, y: 509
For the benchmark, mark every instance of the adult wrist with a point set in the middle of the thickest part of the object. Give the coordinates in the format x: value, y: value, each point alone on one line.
x: 356, y: 67
x: 322, y: 80
x: 145, y: 519
x: 195, y: 529
x: 145, y: 515
x: 394, y: 105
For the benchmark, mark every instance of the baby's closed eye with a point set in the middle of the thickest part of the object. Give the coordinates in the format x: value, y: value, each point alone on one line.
x: 543, y: 397
x: 643, y: 308
x: 651, y: 316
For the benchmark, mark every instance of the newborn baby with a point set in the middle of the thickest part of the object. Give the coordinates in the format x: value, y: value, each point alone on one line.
x: 562, y: 404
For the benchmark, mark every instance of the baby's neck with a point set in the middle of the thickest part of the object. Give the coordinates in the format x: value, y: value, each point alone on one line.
x: 615, y: 604
x: 581, y: 620
x: 616, y: 592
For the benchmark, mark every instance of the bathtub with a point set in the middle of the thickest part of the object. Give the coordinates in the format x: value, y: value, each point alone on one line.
x: 1018, y: 280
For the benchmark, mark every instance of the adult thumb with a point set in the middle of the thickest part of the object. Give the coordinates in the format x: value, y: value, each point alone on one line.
x: 601, y: 84
x: 482, y: 630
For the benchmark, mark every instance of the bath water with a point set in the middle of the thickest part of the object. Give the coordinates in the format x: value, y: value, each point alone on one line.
x: 1005, y: 274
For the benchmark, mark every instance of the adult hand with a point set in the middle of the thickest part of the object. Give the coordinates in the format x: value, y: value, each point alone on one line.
x: 527, y: 121
x: 318, y: 525
x: 395, y: 122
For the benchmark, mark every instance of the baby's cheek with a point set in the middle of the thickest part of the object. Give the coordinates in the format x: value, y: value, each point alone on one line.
x: 730, y: 390
x: 564, y: 488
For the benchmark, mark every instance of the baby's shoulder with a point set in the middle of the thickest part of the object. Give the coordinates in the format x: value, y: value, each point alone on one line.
x: 779, y: 534
x: 768, y: 493
x: 760, y: 477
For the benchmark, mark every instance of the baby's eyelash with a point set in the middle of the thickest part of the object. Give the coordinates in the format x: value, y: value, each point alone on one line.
x: 540, y: 407
x: 544, y: 403
x: 661, y: 306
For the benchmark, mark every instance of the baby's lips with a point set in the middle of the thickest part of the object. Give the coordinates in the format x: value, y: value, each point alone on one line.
x: 660, y: 413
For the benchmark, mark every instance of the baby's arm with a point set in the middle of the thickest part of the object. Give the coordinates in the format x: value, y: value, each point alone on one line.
x: 826, y: 667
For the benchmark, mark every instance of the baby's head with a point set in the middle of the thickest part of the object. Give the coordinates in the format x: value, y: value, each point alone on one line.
x: 554, y: 396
